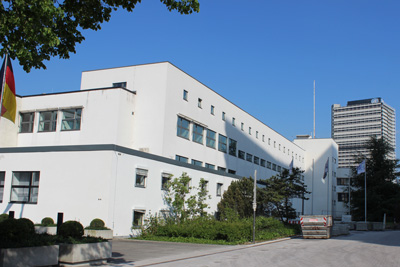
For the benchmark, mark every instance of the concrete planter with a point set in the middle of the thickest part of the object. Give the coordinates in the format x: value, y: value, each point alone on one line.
x: 50, y: 230
x: 106, y: 234
x: 377, y: 226
x: 362, y: 226
x: 89, y: 253
x: 32, y: 256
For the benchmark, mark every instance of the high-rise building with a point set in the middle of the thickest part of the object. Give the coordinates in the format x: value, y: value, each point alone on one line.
x: 353, y: 125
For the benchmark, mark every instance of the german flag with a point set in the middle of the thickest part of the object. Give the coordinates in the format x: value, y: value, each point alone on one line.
x: 9, y: 103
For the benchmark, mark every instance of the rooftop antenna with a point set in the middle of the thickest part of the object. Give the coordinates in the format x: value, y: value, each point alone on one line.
x: 314, y: 111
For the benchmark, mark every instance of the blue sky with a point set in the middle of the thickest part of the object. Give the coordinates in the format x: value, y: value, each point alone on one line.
x: 262, y: 55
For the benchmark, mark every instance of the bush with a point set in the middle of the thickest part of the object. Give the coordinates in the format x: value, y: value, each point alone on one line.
x: 14, y: 230
x: 97, y: 224
x: 47, y: 221
x: 3, y: 217
x: 72, y: 229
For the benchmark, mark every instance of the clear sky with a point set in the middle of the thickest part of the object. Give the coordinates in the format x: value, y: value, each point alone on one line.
x: 262, y: 55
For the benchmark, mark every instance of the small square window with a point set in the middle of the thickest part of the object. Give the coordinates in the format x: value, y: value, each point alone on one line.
x: 199, y: 102
x: 223, y: 115
x: 241, y: 154
x: 185, y: 95
x: 268, y: 164
x: 212, y: 110
x: 262, y: 162
x: 249, y: 157
x: 219, y: 189
x: 138, y: 216
x: 257, y: 160
x: 141, y: 177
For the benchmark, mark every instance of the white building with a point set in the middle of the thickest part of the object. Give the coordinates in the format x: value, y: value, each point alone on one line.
x: 353, y: 125
x: 106, y: 150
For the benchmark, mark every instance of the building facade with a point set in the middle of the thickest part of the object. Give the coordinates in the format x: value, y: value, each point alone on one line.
x: 353, y: 125
x: 107, y: 150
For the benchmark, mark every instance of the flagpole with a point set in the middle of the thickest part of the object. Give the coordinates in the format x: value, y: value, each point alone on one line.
x: 327, y: 190
x: 365, y: 182
x: 254, y: 206
x: 3, y: 82
x: 314, y: 110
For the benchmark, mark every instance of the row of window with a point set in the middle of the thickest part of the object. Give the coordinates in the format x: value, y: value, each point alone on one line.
x: 70, y: 120
x: 142, y: 176
x: 24, y: 187
x: 212, y: 111
x: 200, y: 163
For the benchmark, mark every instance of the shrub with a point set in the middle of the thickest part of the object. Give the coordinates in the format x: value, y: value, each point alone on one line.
x: 14, y: 230
x: 97, y: 224
x: 27, y: 224
x: 72, y: 229
x: 47, y: 221
x: 3, y: 217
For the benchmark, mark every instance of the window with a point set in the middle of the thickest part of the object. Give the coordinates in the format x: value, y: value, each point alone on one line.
x: 2, y: 177
x: 210, y: 139
x: 263, y: 138
x: 47, y: 121
x: 25, y: 187
x: 212, y: 110
x: 249, y: 157
x: 242, y: 126
x: 222, y: 143
x: 231, y: 171
x: 120, y: 84
x: 197, y: 163
x: 241, y: 154
x: 269, y: 141
x: 273, y: 166
x: 250, y: 130
x: 257, y: 134
x: 26, y: 122
x: 274, y: 144
x: 185, y: 95
x: 262, y: 162
x: 284, y: 149
x: 198, y: 133
x: 279, y: 146
x: 165, y: 178
x: 141, y: 176
x: 199, y: 102
x: 138, y: 216
x: 223, y: 115
x: 343, y: 197
x: 221, y: 169
x: 279, y: 168
x: 183, y: 128
x: 219, y: 189
x: 71, y: 119
x: 181, y: 159
x: 233, y: 121
x: 268, y: 165
x: 210, y: 166
x: 342, y: 181
x: 257, y: 160
x: 232, y: 147
x: 203, y: 184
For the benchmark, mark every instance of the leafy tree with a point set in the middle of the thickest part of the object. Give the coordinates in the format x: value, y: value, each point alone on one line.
x: 35, y: 30
x: 237, y: 201
x: 383, y: 196
x: 182, y: 205
x: 280, y: 190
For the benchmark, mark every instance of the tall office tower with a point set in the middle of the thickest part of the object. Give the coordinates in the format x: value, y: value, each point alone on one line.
x: 354, y: 124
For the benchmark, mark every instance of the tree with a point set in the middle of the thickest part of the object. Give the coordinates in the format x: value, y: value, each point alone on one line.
x: 182, y: 205
x: 281, y: 189
x: 237, y: 201
x: 383, y: 196
x: 36, y: 30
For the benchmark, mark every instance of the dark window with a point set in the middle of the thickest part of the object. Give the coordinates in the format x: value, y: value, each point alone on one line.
x: 181, y: 159
x: 210, y: 139
x: 199, y: 102
x: 183, y: 128
x: 257, y: 160
x: 141, y: 177
x: 219, y: 189
x: 210, y: 166
x: 26, y: 122
x: 25, y: 187
x: 212, y: 110
x: 249, y: 157
x: 138, y: 216
x: 262, y: 162
x: 231, y: 171
x: 241, y: 154
x: 342, y: 181
x: 120, y: 85
x: 222, y: 169
x: 343, y: 197
x: 165, y: 178
x: 273, y: 166
x: 185, y: 95
x: 232, y: 147
x: 268, y: 165
x: 222, y: 143
x: 197, y: 163
x: 198, y: 133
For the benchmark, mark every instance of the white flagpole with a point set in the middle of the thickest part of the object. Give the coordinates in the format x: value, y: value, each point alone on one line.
x: 254, y: 206
x: 314, y: 110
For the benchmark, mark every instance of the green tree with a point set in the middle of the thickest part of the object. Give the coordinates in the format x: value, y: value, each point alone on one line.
x: 280, y: 190
x: 383, y: 196
x: 36, y: 30
x: 237, y: 201
x: 182, y: 204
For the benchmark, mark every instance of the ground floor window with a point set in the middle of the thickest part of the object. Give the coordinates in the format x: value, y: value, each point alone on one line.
x: 343, y: 197
x: 25, y: 187
x: 138, y: 216
x: 2, y: 175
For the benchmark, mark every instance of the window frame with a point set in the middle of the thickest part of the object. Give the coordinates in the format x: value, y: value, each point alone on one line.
x: 52, y: 121
x: 199, y: 103
x: 140, y: 173
x: 77, y: 119
x: 212, y: 111
x: 232, y: 148
x: 209, y: 139
x: 219, y: 189
x: 141, y: 218
x: 210, y: 166
x: 30, y: 187
x: 197, y: 163
x: 249, y: 157
x: 181, y: 159
x: 185, y: 95
x: 30, y: 123
x: 197, y: 134
x: 181, y: 129
x: 223, y: 115
x: 241, y: 154
x: 222, y: 146
x: 165, y: 178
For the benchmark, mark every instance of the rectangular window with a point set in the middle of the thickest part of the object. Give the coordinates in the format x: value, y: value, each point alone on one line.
x: 342, y: 181
x: 198, y: 133
x: 210, y: 139
x: 279, y: 146
x: 138, y: 216
x: 25, y: 187
x: 26, y: 122
x: 183, y: 128
x: 269, y: 141
x: 204, y: 184
x: 257, y: 160
x: 279, y: 168
x: 197, y: 163
x: 343, y: 197
x: 232, y: 147
x: 222, y: 140
x: 249, y: 157
x: 47, y: 121
x: 212, y: 110
x: 219, y: 189
x: 223, y: 115
x: 242, y: 126
x: 233, y: 121
x: 273, y: 166
x: 231, y: 171
x: 199, y: 102
x: 274, y: 144
x: 268, y: 164
x: 2, y: 178
x: 257, y: 134
x: 284, y: 149
x: 165, y: 178
x: 241, y: 154
x: 181, y: 159
x: 221, y: 169
x: 263, y: 138
x: 210, y: 166
x: 119, y: 85
x: 262, y: 162
x: 141, y: 177
x: 250, y: 130
x: 71, y: 119
x: 185, y: 95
